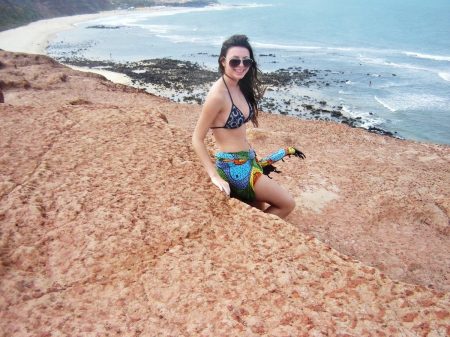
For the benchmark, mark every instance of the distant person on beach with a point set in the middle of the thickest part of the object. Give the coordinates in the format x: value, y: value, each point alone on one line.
x: 232, y: 102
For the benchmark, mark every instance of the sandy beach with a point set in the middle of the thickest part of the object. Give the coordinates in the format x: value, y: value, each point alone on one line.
x: 34, y: 38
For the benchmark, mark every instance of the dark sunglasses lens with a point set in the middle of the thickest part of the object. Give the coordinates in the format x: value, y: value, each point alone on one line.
x: 235, y: 63
x: 247, y: 63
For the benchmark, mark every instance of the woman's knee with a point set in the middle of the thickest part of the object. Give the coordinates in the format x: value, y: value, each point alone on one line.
x: 258, y: 204
x: 290, y: 204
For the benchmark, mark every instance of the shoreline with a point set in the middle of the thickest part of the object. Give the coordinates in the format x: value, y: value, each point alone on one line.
x: 34, y: 38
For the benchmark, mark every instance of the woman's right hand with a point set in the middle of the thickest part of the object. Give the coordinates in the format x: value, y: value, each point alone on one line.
x: 221, y: 184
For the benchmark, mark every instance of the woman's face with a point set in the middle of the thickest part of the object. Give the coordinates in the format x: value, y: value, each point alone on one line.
x: 234, y: 53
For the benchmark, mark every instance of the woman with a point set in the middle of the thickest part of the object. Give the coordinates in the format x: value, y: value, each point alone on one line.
x: 231, y: 103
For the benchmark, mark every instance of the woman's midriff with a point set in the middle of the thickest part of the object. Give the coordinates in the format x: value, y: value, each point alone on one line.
x: 231, y: 140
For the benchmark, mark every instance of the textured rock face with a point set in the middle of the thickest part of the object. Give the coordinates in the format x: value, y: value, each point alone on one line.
x: 110, y: 226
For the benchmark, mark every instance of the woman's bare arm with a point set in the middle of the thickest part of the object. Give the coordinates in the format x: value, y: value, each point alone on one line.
x: 211, y: 108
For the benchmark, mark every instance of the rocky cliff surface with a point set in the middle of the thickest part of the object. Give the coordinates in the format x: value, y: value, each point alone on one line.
x: 109, y: 225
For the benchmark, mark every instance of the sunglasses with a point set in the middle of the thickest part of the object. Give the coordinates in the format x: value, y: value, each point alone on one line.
x: 234, y: 63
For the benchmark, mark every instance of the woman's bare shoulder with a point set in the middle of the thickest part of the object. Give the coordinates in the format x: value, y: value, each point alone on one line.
x: 216, y: 92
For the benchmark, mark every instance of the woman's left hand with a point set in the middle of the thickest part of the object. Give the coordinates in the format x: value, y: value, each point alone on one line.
x: 221, y: 184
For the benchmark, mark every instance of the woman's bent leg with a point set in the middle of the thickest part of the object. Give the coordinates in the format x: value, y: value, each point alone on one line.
x: 280, y: 201
x: 257, y: 204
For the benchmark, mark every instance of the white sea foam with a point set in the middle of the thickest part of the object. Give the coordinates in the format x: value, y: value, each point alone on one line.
x: 325, y: 50
x: 158, y: 29
x: 194, y: 39
x: 445, y: 76
x: 414, y: 102
x: 341, y: 48
x: 133, y: 18
x: 365, y: 120
x: 346, y: 110
x: 383, y: 62
x: 218, y: 7
x: 283, y: 47
x: 384, y: 104
x: 428, y: 57
x: 181, y: 38
x: 378, y: 61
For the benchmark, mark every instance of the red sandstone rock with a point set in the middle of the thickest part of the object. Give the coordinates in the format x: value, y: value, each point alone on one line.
x: 109, y: 224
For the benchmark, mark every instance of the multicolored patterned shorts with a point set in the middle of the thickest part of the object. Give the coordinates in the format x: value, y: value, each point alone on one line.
x: 241, y: 170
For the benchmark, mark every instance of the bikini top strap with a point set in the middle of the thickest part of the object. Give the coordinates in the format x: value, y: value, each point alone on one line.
x: 229, y: 93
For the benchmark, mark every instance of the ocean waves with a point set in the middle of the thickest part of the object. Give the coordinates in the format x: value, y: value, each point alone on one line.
x: 384, y: 104
x: 410, y: 102
x: 428, y: 57
x: 445, y: 76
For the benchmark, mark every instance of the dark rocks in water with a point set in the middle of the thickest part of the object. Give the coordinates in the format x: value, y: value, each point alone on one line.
x: 194, y: 98
x: 169, y: 73
x: 336, y: 114
x: 292, y: 76
x: 349, y: 121
x: 381, y: 131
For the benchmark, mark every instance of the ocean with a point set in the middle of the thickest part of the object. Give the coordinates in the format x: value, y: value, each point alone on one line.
x: 387, y: 62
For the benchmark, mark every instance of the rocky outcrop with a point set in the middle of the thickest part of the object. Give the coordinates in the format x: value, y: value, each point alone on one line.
x: 110, y: 226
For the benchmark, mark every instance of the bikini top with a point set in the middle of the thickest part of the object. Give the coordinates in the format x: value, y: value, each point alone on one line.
x: 236, y: 117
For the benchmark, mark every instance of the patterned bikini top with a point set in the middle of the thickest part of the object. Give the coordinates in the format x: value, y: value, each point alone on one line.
x: 236, y: 118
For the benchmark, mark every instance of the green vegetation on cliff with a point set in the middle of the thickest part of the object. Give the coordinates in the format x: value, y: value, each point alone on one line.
x: 18, y: 13
x: 15, y: 13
